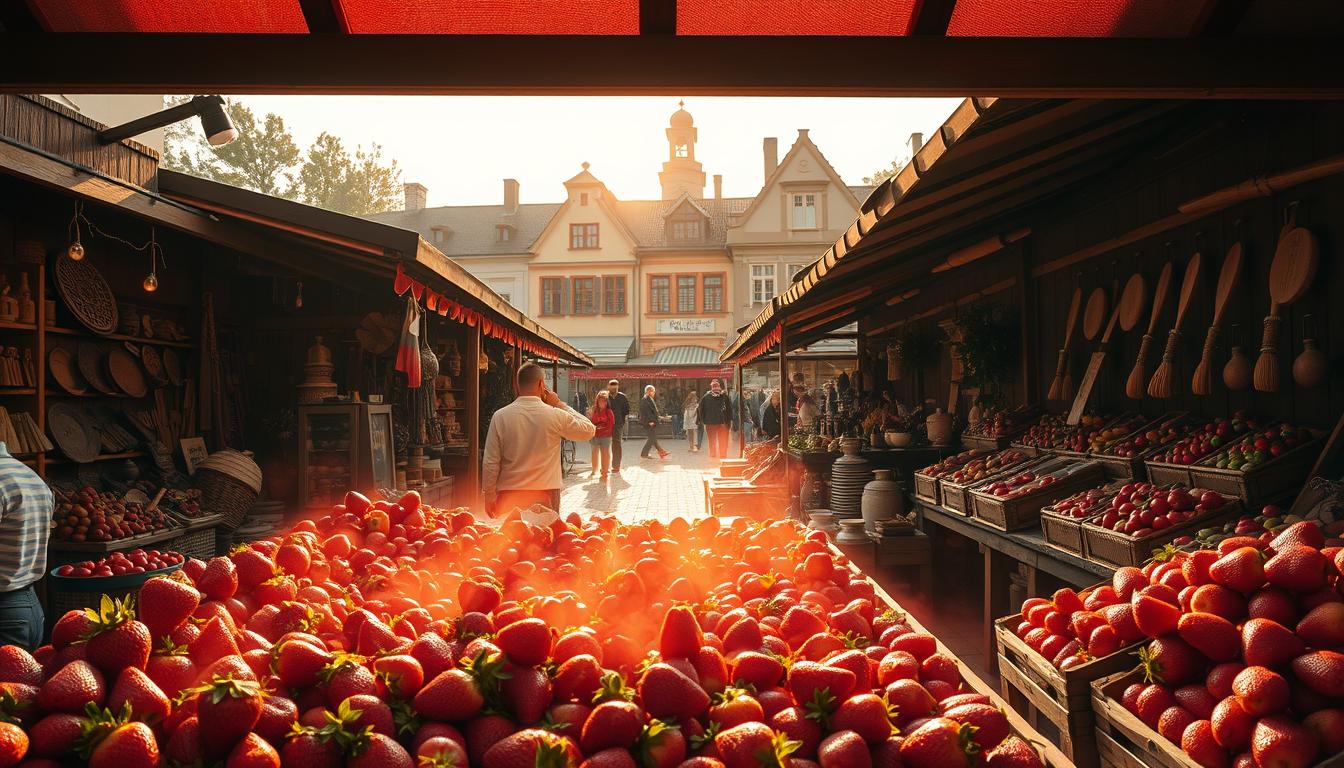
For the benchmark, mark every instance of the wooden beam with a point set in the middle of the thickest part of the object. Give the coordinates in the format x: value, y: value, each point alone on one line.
x: 1222, y: 17
x: 321, y: 16
x: 1208, y: 67
x: 16, y: 17
x: 931, y: 17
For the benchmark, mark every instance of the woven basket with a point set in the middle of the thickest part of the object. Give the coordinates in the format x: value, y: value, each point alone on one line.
x: 224, y: 495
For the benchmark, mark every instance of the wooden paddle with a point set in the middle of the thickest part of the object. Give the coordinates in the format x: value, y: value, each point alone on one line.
x: 1290, y: 275
x: 1160, y: 385
x: 1130, y: 306
x: 1095, y: 313
x: 1058, y: 389
x: 1228, y: 277
x: 1138, y: 376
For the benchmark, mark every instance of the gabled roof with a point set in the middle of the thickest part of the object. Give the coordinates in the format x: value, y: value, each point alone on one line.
x: 684, y: 198
x: 606, y: 201
x: 803, y: 141
x: 647, y: 220
x: 474, y: 228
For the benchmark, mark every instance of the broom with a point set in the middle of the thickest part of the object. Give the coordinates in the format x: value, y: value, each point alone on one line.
x: 1160, y: 385
x: 1058, y: 387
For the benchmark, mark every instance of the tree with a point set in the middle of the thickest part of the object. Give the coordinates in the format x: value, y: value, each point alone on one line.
x: 260, y: 159
x: 882, y: 174
x: 360, y: 184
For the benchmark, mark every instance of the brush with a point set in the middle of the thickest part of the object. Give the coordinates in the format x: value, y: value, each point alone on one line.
x: 1160, y: 385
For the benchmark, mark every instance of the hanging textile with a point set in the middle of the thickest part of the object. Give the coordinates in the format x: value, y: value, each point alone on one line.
x: 408, y: 351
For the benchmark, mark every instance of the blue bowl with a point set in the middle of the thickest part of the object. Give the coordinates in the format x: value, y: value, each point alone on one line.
x: 105, y: 583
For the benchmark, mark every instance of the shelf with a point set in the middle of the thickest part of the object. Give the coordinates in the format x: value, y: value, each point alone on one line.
x: 120, y: 337
x: 18, y: 391
x: 61, y: 459
x: 58, y: 392
x: 14, y: 326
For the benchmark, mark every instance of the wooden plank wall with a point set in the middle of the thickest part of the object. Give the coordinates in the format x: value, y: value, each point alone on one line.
x: 44, y: 124
x: 1211, y: 146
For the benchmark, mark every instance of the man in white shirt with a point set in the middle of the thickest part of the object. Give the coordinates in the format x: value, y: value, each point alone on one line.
x: 522, y: 449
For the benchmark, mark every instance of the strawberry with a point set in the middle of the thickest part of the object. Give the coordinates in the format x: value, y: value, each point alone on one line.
x: 844, y: 749
x: 805, y: 679
x: 1195, y: 698
x: 611, y: 724
x: 434, y: 654
x: 680, y: 635
x: 796, y: 724
x: 1013, y: 752
x: 219, y: 580
x: 1322, y: 672
x: 376, y: 638
x: 1218, y: 600
x: 661, y: 745
x: 452, y: 695
x: 55, y: 735
x: 621, y: 758
x: 1232, y: 725
x: 799, y: 624
x: 167, y: 601
x: 1261, y: 691
x: 1172, y: 661
x: 526, y: 643
x: 344, y: 677
x: 278, y: 715
x: 910, y: 700
x: 734, y: 706
x: 574, y: 643
x: 531, y: 747
x: 1241, y: 569
x: 377, y: 750
x: 18, y: 666
x: 306, y: 748
x: 227, y: 709
x: 1298, y: 568
x: 1153, y: 700
x: 402, y: 674
x: 1198, y: 742
x: 578, y: 678
x: 298, y: 662
x: 897, y: 665
x: 1275, y: 604
x: 253, y: 752
x: 711, y: 670
x: 990, y: 723
x: 72, y: 688
x: 135, y: 689
x: 369, y: 712
x: 69, y: 629
x: 940, y: 743
x: 171, y: 669
x: 252, y: 566
x: 1211, y: 635
x: 921, y: 645
x: 1283, y: 743
x: 1128, y: 580
x: 115, y: 639
x: 18, y: 703
x: 1219, y: 680
x: 478, y: 596
x: 215, y: 642
x: 1171, y: 724
x: 13, y: 744
x: 293, y: 558
x: 866, y: 714
x: 1155, y: 617
x: 747, y: 746
x: 110, y: 741
x: 1323, y: 626
x: 667, y: 692
x: 526, y: 692
x: 1328, y: 726
x: 441, y: 752
x: 1268, y: 643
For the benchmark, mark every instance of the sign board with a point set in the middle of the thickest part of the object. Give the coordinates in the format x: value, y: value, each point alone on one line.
x: 685, y: 325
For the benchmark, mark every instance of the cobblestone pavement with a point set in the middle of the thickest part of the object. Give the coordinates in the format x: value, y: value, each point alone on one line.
x: 646, y: 488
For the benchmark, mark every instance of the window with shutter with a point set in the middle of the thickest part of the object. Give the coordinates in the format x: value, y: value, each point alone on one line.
x: 566, y: 303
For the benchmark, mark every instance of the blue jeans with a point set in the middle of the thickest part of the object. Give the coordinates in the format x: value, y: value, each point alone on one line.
x: 21, y: 619
x: 677, y: 423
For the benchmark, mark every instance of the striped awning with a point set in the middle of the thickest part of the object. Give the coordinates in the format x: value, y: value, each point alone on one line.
x: 687, y: 355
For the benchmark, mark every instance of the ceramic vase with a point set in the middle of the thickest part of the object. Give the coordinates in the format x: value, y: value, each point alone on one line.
x: 882, y: 499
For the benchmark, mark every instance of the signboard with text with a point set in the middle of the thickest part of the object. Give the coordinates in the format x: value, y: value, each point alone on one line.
x: 685, y: 325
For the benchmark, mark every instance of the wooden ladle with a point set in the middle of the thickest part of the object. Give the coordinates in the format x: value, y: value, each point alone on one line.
x: 1130, y: 308
x: 1138, y: 377
x: 1202, y: 382
x: 1095, y: 313
x: 1160, y: 385
x: 1059, y: 389
x: 1290, y: 275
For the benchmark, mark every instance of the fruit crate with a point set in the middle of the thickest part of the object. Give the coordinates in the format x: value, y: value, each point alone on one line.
x: 62, y: 552
x: 1122, y: 738
x: 927, y: 488
x: 1120, y: 549
x: 1024, y: 511
x: 1258, y: 485
x: 985, y: 442
x: 957, y: 496
x: 1133, y: 467
x: 197, y: 537
x: 1063, y: 697
x: 1066, y: 532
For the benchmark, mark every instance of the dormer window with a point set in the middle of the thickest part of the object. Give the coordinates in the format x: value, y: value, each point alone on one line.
x: 583, y: 198
x: 504, y: 233
x: 686, y: 226
x: 441, y: 234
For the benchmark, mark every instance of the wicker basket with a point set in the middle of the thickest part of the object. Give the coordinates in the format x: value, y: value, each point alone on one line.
x: 1120, y: 549
x: 198, y: 537
x: 230, y: 483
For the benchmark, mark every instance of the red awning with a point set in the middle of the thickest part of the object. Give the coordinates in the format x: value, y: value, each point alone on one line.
x: 652, y: 372
x: 490, y: 17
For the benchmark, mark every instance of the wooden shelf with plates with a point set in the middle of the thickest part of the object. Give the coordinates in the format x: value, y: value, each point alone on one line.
x: 121, y: 337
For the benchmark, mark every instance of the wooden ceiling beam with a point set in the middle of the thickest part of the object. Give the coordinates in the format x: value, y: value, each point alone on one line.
x: 321, y: 16
x: 656, y: 64
x: 931, y: 17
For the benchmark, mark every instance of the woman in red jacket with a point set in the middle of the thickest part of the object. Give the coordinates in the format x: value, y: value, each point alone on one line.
x: 604, y: 419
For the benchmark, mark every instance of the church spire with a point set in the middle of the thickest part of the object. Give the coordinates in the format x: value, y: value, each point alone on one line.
x: 681, y: 173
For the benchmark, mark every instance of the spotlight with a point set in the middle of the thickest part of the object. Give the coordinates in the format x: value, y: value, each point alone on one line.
x: 215, y: 121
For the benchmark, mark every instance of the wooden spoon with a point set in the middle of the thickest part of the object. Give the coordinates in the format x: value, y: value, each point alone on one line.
x: 1057, y: 387
x: 1134, y: 384
x: 1129, y: 305
x: 1290, y: 275
x: 1160, y: 386
x: 1228, y: 277
x: 1095, y: 313
x: 1128, y: 310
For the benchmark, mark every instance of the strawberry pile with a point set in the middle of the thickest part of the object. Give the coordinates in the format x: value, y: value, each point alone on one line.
x: 1242, y: 667
x: 1084, y: 503
x: 397, y: 635
x: 1073, y: 628
x: 1143, y: 509
x: 121, y: 563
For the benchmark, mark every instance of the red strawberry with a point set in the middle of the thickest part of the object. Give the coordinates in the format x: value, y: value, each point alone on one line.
x: 897, y: 665
x: 1283, y: 743
x: 344, y: 677
x: 55, y: 735
x: 227, y: 709
x: 1219, y: 680
x: 990, y: 723
x: 252, y: 566
x: 478, y: 596
x: 711, y: 670
x: 661, y: 745
x: 620, y: 758
x: 378, y: 750
x: 911, y: 700
x: 434, y: 654
x: 1127, y: 581
x: 1274, y: 604
x: 1155, y: 617
x: 171, y: 669
x: 1241, y: 569
x: 797, y: 725
x: 219, y: 580
x: 1268, y: 643
x: 215, y: 642
x: 1211, y: 635
x: 844, y: 749
x: 70, y: 628
x: 1323, y: 626
x: 921, y: 645
x: 939, y: 743
x: 117, y: 744
x: 1322, y: 672
x: 1103, y: 641
x: 1220, y: 601
x: 1198, y: 742
x: 734, y: 706
x: 441, y: 752
x: 866, y: 714
x: 452, y: 695
x: 805, y: 679
x: 611, y: 724
x: 666, y: 692
x: 135, y: 689
x: 372, y: 713
x: 402, y: 674
x: 1261, y: 691
x: 72, y: 688
x: 18, y: 666
x: 298, y: 662
x: 526, y: 692
x: 253, y: 752
x: 13, y: 744
x: 531, y: 747
x: 799, y: 624
x: 1013, y: 752
x: 116, y: 640
x: 578, y: 678
x: 278, y: 715
x: 1328, y: 725
x: 1153, y: 700
x: 483, y: 732
x: 1196, y: 699
x: 166, y: 602
x: 308, y: 749
x: 747, y: 744
x: 527, y: 643
x: 1232, y: 725
x: 1172, y: 661
x: 1298, y: 568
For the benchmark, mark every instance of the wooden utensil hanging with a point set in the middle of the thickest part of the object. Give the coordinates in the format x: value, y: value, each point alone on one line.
x: 1058, y: 389
x: 1290, y: 275
x: 1160, y: 385
x: 1095, y: 313
x: 1139, y: 375
x: 1228, y: 277
x: 1129, y: 306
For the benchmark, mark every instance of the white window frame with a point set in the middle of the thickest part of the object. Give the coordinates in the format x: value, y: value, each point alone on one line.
x: 793, y: 269
x: 760, y: 294
x: 795, y: 209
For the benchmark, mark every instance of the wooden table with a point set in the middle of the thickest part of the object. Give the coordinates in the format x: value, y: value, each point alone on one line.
x: 907, y: 552
x: 1004, y: 551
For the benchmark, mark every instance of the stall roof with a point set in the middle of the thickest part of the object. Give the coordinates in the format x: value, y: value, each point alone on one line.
x: 990, y: 158
x: 379, y: 243
x: 1182, y: 48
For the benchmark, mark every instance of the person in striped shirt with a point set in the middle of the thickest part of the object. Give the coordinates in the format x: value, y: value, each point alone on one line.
x: 26, y: 506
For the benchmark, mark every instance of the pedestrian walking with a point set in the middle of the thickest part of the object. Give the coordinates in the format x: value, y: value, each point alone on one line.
x: 649, y: 417
x: 603, y: 421
x: 716, y: 413
x: 690, y: 418
x: 620, y: 412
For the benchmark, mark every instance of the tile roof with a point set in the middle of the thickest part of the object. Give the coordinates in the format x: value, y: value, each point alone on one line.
x: 645, y: 218
x: 472, y: 228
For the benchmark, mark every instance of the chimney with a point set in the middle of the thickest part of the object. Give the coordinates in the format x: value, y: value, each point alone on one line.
x: 510, y: 195
x: 915, y: 143
x: 718, y: 186
x: 415, y: 196
x: 771, y: 149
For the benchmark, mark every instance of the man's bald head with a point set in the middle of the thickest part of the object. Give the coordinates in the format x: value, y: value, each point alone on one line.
x: 531, y: 379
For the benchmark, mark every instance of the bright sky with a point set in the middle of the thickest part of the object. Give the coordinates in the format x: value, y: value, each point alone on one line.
x: 462, y: 147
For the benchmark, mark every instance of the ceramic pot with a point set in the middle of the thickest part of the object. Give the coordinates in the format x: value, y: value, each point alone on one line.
x: 898, y: 439
x: 882, y: 499
x: 822, y: 520
x: 849, y: 474
x: 1310, y: 367
x: 851, y: 532
x: 876, y: 440
x: 940, y: 428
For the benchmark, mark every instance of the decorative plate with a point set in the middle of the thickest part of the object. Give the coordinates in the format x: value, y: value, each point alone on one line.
x: 65, y: 370
x: 149, y: 356
x: 91, y: 365
x: 70, y: 431
x: 127, y: 373
x: 86, y: 294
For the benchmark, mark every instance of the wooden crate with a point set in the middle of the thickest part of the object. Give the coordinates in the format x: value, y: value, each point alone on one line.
x: 927, y: 488
x: 1118, y: 549
x: 1025, y: 511
x: 1257, y: 486
x: 988, y: 443
x: 1062, y: 531
x: 1030, y: 450
x: 1133, y: 467
x: 957, y: 496
x: 1061, y: 696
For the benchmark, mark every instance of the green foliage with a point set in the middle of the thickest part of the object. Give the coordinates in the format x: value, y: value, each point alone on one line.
x: 990, y: 345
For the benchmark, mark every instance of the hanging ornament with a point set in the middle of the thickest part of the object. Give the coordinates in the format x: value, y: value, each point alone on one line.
x: 298, y: 297
x: 151, y: 282
x: 76, y: 249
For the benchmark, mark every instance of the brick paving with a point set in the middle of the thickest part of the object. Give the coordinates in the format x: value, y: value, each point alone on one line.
x: 645, y: 489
